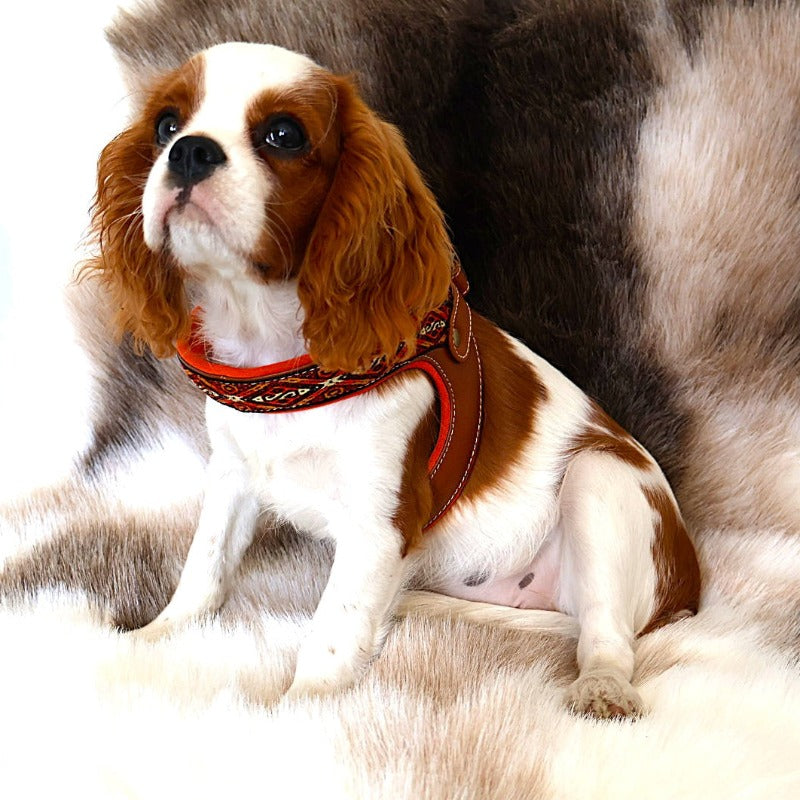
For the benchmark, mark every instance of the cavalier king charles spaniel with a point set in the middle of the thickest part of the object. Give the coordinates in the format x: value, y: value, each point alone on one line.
x: 261, y: 220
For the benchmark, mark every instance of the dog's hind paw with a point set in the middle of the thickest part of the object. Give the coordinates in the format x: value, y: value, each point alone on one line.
x: 604, y: 696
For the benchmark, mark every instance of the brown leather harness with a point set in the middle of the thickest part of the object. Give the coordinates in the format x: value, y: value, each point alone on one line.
x: 446, y: 351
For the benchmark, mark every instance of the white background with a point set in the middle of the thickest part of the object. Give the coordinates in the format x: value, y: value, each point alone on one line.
x: 62, y: 99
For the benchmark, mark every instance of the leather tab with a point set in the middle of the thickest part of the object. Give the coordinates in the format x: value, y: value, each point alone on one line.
x: 459, y: 277
x: 459, y: 338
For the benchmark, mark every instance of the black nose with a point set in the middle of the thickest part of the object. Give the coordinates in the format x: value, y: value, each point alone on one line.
x: 193, y: 158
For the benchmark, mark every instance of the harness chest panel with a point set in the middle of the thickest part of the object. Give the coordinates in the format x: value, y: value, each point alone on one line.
x: 446, y: 351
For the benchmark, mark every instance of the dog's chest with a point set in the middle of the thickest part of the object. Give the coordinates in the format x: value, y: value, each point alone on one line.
x: 302, y: 465
x: 323, y: 468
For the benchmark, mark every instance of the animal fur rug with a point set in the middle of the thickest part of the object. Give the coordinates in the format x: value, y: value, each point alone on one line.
x: 621, y: 180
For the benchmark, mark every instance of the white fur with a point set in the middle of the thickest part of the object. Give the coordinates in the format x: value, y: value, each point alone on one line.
x: 725, y: 722
x: 336, y: 471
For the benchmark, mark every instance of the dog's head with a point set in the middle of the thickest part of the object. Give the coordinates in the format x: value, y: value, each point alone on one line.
x: 252, y: 163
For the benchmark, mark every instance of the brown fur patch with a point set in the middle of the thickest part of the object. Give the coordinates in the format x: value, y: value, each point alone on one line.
x: 512, y: 396
x: 483, y: 650
x: 416, y: 495
x: 127, y: 571
x: 677, y: 570
x: 415, y: 500
x: 606, y: 435
x: 146, y: 288
x: 302, y: 181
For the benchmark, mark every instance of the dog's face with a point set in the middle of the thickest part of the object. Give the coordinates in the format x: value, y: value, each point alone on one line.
x: 247, y: 141
x: 250, y: 163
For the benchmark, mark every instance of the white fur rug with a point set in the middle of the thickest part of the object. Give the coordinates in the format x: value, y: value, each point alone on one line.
x: 449, y: 710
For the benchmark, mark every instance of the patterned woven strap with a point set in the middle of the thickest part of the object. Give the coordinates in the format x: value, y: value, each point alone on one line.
x: 297, y: 384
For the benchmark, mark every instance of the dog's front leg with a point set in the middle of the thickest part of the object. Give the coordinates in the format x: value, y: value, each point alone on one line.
x: 225, y: 529
x: 352, y: 618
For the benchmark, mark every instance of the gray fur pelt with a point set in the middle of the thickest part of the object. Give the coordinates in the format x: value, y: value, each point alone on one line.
x: 621, y: 182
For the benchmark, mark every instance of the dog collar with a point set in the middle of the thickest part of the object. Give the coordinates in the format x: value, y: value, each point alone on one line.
x: 446, y: 351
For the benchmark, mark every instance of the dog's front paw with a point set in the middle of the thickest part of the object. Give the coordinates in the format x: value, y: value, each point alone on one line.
x: 154, y: 631
x: 304, y: 686
x: 605, y: 696
x: 324, y: 669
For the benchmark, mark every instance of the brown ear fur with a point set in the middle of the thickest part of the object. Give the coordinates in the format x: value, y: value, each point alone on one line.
x: 379, y: 257
x: 146, y: 288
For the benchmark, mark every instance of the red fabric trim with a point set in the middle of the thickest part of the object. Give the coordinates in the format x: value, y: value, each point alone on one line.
x: 295, y: 384
x: 192, y: 352
x: 445, y: 408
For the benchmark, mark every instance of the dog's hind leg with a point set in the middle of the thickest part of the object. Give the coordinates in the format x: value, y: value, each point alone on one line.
x: 607, y: 577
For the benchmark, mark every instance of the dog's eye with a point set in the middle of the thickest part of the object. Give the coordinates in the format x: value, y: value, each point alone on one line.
x: 283, y: 135
x: 167, y: 126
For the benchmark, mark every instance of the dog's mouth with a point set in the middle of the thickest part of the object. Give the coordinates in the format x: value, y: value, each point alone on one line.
x: 197, y: 209
x: 195, y: 225
x: 187, y: 211
x: 196, y: 237
x: 192, y: 204
x: 176, y: 214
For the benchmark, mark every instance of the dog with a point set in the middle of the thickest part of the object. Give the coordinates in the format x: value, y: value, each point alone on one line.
x: 259, y: 188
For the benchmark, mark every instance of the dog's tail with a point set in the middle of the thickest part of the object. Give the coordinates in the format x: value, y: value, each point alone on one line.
x: 431, y: 604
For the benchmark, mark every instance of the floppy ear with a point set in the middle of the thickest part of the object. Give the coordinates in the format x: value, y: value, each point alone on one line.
x: 379, y: 257
x: 146, y: 288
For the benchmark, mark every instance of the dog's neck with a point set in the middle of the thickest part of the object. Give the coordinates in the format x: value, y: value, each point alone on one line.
x: 249, y: 323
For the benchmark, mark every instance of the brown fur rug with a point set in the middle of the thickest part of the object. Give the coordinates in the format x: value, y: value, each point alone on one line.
x: 621, y: 179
